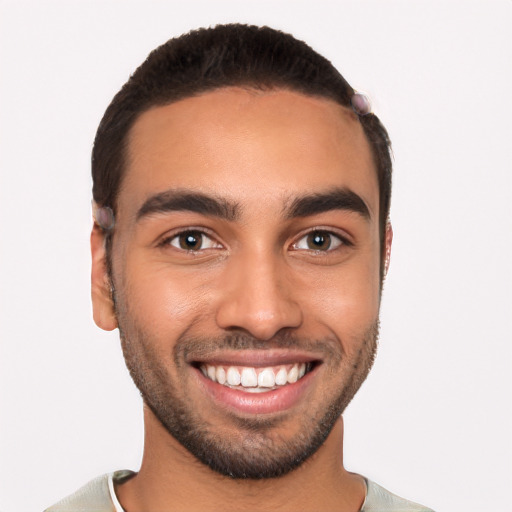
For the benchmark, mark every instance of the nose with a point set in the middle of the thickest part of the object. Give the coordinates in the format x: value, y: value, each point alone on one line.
x: 258, y: 297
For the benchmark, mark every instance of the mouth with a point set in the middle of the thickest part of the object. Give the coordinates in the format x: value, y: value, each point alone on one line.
x: 252, y: 379
x: 257, y: 383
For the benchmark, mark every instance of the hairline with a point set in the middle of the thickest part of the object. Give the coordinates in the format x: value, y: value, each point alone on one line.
x: 250, y: 87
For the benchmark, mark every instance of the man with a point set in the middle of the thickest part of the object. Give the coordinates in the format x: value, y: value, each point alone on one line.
x: 241, y: 237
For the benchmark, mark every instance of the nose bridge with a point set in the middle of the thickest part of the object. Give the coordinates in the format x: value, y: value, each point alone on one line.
x: 257, y: 295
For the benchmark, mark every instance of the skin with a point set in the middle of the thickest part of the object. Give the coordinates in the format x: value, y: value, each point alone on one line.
x: 255, y: 275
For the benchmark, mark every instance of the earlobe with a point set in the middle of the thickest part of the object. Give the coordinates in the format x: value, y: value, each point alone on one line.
x: 387, y: 246
x: 102, y: 302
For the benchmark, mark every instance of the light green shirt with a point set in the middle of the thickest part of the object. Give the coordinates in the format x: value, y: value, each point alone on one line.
x: 99, y: 496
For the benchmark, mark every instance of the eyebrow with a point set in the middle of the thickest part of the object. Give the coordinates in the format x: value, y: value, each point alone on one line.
x: 304, y: 206
x: 176, y: 200
x: 334, y: 199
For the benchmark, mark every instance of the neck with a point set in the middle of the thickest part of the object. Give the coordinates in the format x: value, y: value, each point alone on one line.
x: 170, y: 478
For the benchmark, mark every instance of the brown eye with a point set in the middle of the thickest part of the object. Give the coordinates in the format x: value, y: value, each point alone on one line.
x: 192, y: 241
x: 319, y: 241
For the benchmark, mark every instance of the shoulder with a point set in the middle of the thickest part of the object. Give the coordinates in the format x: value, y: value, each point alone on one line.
x: 379, y: 499
x: 95, y: 495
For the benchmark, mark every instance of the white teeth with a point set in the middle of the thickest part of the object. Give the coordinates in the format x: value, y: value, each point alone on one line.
x: 233, y: 376
x: 221, y: 375
x: 281, y: 377
x: 293, y: 375
x: 266, y: 378
x: 249, y: 378
x: 210, y: 370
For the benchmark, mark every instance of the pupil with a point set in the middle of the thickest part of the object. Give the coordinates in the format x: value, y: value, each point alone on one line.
x: 319, y: 241
x: 190, y: 241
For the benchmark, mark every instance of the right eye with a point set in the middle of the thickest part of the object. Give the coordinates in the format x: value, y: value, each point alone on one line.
x: 192, y: 241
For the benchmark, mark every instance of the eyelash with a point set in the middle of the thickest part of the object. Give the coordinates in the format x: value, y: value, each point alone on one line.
x: 320, y: 235
x: 192, y: 232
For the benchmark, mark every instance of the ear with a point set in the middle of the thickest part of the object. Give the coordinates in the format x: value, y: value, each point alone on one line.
x: 102, y: 302
x: 387, y: 246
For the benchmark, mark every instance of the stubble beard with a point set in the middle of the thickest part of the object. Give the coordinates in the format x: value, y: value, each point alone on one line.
x: 255, y: 451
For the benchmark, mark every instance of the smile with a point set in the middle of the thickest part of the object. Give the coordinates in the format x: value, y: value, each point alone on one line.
x: 254, y: 379
x: 258, y: 382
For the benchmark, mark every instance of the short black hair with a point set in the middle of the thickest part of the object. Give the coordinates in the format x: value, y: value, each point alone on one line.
x: 211, y: 58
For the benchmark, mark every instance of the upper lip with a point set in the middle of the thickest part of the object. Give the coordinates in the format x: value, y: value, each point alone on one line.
x: 256, y: 358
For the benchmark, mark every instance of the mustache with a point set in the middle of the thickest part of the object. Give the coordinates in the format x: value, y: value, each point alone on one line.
x: 190, y: 348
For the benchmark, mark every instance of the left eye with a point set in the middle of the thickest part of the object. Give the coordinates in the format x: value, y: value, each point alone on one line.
x: 319, y: 241
x: 192, y: 241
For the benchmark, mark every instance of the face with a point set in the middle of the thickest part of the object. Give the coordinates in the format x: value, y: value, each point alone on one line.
x: 245, y: 265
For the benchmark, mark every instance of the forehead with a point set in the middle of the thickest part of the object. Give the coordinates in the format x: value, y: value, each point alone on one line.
x: 250, y: 146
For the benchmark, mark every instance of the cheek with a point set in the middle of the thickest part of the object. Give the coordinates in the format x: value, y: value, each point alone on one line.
x: 346, y: 300
x: 163, y: 299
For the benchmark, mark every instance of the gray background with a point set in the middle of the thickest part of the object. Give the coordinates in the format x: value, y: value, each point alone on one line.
x: 434, y: 420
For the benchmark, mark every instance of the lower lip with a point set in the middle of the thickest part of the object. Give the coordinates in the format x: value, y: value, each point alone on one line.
x: 273, y: 401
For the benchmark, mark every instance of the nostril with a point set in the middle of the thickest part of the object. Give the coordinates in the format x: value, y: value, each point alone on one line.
x: 261, y: 318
